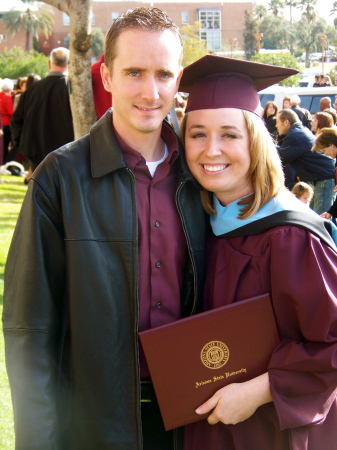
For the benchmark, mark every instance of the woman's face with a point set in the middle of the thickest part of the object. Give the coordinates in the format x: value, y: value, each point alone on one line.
x: 286, y: 104
x: 331, y: 151
x: 271, y: 110
x: 314, y: 124
x: 217, y: 152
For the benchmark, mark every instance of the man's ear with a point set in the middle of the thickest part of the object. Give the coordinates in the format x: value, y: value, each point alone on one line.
x: 106, y: 78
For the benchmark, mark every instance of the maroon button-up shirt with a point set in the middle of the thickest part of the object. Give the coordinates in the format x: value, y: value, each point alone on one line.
x: 162, y: 242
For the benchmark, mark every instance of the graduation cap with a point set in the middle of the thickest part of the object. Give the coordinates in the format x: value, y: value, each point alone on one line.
x: 217, y: 82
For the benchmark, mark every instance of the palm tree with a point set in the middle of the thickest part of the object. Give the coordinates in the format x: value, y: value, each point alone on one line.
x: 292, y: 4
x: 275, y: 5
x: 32, y: 19
x: 308, y: 6
x: 260, y: 11
x: 333, y: 9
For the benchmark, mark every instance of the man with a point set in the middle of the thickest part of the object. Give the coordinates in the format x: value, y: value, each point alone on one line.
x: 42, y: 121
x: 324, y: 103
x: 297, y: 156
x: 302, y: 113
x: 110, y: 241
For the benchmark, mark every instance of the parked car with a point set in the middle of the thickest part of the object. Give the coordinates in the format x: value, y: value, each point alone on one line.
x: 310, y: 96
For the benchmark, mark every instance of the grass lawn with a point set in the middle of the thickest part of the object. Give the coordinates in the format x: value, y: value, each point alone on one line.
x: 12, y: 192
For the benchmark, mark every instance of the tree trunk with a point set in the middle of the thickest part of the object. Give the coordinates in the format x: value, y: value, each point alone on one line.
x: 307, y: 58
x: 27, y: 40
x: 81, y: 97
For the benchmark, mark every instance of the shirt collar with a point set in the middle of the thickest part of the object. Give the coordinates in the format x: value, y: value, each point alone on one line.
x: 133, y: 158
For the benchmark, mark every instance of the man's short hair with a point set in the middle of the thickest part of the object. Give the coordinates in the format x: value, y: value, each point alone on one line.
x: 149, y: 19
x: 59, y: 56
x: 295, y: 100
x: 288, y: 114
x: 326, y: 100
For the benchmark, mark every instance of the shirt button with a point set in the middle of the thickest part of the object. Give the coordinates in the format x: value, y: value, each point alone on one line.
x: 158, y: 264
x: 158, y: 305
x: 156, y: 224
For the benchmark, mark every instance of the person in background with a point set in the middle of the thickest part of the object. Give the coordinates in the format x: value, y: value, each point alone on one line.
x: 303, y: 191
x: 327, y: 142
x: 317, y: 81
x: 327, y: 80
x: 269, y: 117
x: 332, y: 113
x: 15, y: 154
x: 324, y: 103
x: 180, y: 115
x: 302, y: 113
x: 321, y: 120
x: 102, y: 98
x: 293, y: 404
x: 286, y: 102
x: 296, y: 153
x: 20, y: 87
x: 42, y: 122
x: 110, y: 241
x: 6, y: 112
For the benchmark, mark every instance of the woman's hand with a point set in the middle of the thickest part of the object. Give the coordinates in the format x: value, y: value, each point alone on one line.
x: 237, y: 401
x: 326, y: 215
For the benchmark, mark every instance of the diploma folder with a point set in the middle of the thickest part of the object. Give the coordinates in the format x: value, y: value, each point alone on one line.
x: 192, y: 358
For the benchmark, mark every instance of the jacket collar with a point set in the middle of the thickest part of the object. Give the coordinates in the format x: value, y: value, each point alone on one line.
x: 106, y: 155
x: 297, y: 124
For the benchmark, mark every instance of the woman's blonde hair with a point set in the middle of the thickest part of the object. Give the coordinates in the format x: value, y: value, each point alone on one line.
x: 265, y: 169
x: 301, y: 188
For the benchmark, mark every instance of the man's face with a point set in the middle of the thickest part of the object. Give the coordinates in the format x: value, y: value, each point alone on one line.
x: 282, y: 127
x: 323, y: 104
x: 145, y: 77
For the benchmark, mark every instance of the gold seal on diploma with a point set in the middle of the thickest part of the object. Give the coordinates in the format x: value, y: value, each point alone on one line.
x: 214, y: 355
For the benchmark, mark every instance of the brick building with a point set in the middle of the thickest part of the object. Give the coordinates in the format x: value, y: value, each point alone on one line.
x: 221, y: 22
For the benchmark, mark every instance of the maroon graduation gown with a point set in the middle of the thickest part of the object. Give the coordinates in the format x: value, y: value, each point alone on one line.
x: 300, y: 273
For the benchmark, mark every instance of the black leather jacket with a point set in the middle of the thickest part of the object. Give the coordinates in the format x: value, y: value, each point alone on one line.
x: 71, y: 299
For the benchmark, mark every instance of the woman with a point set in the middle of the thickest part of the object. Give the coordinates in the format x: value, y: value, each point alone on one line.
x: 230, y: 153
x: 269, y: 117
x: 321, y: 120
x: 286, y: 102
x: 327, y: 143
x: 6, y: 111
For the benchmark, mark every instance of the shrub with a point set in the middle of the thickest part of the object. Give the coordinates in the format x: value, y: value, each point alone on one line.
x: 18, y: 63
x: 283, y: 60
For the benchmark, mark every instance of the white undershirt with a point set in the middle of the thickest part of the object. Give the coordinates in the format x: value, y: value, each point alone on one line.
x: 152, y: 165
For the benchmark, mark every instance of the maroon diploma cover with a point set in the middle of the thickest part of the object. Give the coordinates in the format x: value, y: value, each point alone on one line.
x: 192, y: 358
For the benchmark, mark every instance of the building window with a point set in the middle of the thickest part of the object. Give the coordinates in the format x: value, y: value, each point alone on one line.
x: 115, y: 16
x: 66, y: 41
x: 93, y: 18
x: 184, y: 18
x: 211, y: 28
x: 212, y: 38
x: 210, y: 19
x: 66, y: 20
